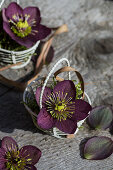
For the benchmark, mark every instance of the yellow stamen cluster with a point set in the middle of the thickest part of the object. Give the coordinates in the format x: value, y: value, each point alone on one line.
x: 15, y: 161
x: 59, y: 106
x: 20, y: 25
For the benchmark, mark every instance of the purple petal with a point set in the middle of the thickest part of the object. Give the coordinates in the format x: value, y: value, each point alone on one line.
x: 100, y: 117
x: 43, y: 32
x: 2, y: 159
x: 13, y: 9
x: 4, y: 15
x: 2, y: 153
x: 2, y: 164
x: 30, y: 152
x: 47, y: 92
x: 34, y: 13
x: 45, y: 120
x: 7, y: 28
x: 98, y: 148
x: 9, y: 144
x: 26, y: 41
x: 82, y: 109
x: 65, y: 88
x: 30, y: 40
x: 68, y: 126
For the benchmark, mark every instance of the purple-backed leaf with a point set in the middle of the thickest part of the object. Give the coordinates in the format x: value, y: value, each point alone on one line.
x: 49, y: 56
x: 100, y: 117
x: 81, y: 146
x: 98, y: 148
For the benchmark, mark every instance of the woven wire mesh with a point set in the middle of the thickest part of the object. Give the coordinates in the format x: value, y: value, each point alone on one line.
x: 13, y: 57
x: 29, y: 96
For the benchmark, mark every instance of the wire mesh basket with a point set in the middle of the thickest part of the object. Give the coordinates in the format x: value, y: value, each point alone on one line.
x: 14, y: 57
x: 30, y: 101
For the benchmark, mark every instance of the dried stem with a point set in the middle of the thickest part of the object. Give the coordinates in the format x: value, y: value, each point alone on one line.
x: 9, y: 66
x: 47, y: 46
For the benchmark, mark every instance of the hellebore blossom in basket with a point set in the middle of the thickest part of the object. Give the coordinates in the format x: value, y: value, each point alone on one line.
x: 23, y: 25
x: 13, y: 158
x: 60, y: 108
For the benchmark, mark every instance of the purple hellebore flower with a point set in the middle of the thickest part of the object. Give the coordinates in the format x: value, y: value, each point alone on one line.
x: 12, y: 158
x: 60, y: 108
x: 23, y: 25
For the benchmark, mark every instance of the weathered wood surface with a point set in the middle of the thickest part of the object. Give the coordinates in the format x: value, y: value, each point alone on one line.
x: 89, y: 47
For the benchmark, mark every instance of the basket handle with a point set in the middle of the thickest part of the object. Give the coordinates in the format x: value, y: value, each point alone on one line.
x: 49, y: 75
x: 68, y: 69
x: 2, y: 2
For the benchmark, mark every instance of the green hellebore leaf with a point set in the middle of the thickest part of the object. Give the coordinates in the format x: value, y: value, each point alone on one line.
x: 97, y: 148
x: 100, y: 117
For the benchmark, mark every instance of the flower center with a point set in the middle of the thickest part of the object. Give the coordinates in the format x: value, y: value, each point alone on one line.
x: 21, y: 26
x: 15, y: 162
x: 21, y: 29
x: 59, y: 106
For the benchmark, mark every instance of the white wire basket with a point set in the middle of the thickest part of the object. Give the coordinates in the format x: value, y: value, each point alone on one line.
x: 29, y: 97
x: 14, y: 57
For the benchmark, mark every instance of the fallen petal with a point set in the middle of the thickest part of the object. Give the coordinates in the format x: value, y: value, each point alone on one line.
x: 100, y: 117
x: 82, y: 145
x: 98, y: 148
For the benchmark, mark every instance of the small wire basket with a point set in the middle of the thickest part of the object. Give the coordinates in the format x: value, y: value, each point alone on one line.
x: 14, y: 57
x: 30, y: 101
